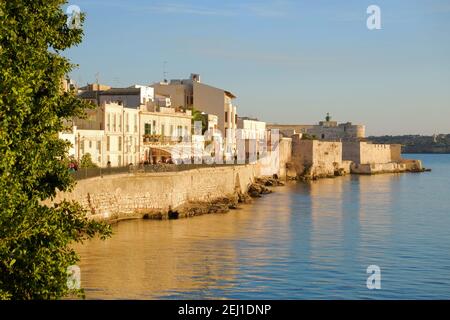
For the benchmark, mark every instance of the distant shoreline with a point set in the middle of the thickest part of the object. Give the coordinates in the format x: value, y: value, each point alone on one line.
x: 437, y: 144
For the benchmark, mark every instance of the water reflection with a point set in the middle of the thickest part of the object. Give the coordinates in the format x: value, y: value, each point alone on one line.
x: 148, y: 259
x: 303, y: 241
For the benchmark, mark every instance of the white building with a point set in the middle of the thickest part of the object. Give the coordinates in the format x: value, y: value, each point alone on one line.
x: 90, y: 142
x: 131, y: 97
x: 110, y: 134
x: 69, y: 136
x: 160, y: 129
x: 122, y: 135
x: 251, y: 128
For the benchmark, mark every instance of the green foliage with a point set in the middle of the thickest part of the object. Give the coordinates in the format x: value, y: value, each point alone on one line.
x: 307, y: 136
x: 86, y: 161
x: 198, y: 116
x: 35, y: 238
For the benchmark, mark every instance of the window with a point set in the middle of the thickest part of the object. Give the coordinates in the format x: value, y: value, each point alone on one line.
x: 154, y: 126
x: 108, y: 122
x: 163, y: 130
x: 99, y: 147
x: 226, y: 116
x: 128, y: 122
x: 171, y: 129
x: 135, y: 123
x: 148, y: 128
x: 108, y: 143
x: 120, y: 122
x: 119, y: 145
x: 235, y: 118
x: 114, y: 123
x: 90, y: 144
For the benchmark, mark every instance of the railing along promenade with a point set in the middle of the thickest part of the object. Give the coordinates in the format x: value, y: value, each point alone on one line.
x: 85, y: 173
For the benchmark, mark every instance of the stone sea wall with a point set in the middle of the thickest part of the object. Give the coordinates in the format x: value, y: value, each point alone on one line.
x: 149, y: 194
x: 390, y: 167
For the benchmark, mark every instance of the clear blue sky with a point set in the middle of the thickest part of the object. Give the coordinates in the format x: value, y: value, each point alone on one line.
x: 287, y: 61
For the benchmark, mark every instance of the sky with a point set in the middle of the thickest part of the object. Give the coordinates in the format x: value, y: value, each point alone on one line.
x: 286, y: 61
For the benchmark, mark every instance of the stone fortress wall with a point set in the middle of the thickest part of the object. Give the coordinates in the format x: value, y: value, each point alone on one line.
x: 316, y: 158
x: 365, y: 153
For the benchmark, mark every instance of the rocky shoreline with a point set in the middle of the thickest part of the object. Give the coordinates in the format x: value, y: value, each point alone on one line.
x: 261, y: 186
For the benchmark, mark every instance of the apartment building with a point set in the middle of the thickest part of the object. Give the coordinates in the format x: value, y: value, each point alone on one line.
x: 192, y: 93
x: 116, y: 134
x: 110, y: 134
x: 161, y: 128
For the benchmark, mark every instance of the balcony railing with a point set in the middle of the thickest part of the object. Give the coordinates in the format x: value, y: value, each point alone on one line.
x: 160, y: 140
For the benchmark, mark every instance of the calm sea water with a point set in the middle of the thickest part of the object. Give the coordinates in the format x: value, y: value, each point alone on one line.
x: 305, y: 241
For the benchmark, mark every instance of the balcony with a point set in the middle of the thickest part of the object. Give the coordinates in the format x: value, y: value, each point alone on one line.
x: 157, y: 139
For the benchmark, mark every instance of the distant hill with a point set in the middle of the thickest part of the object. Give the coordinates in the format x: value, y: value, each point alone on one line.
x: 417, y: 143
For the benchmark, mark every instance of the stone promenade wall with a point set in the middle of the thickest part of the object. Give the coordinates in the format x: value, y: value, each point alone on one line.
x: 125, y: 195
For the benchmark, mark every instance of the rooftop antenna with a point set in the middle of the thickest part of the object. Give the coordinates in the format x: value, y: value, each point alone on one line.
x: 164, y: 71
x: 97, y: 76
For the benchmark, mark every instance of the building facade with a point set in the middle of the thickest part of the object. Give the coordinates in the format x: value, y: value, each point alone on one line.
x: 192, y: 93
x: 110, y: 134
x: 324, y: 130
x: 115, y: 135
x: 160, y: 130
x: 252, y: 128
x: 130, y: 97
